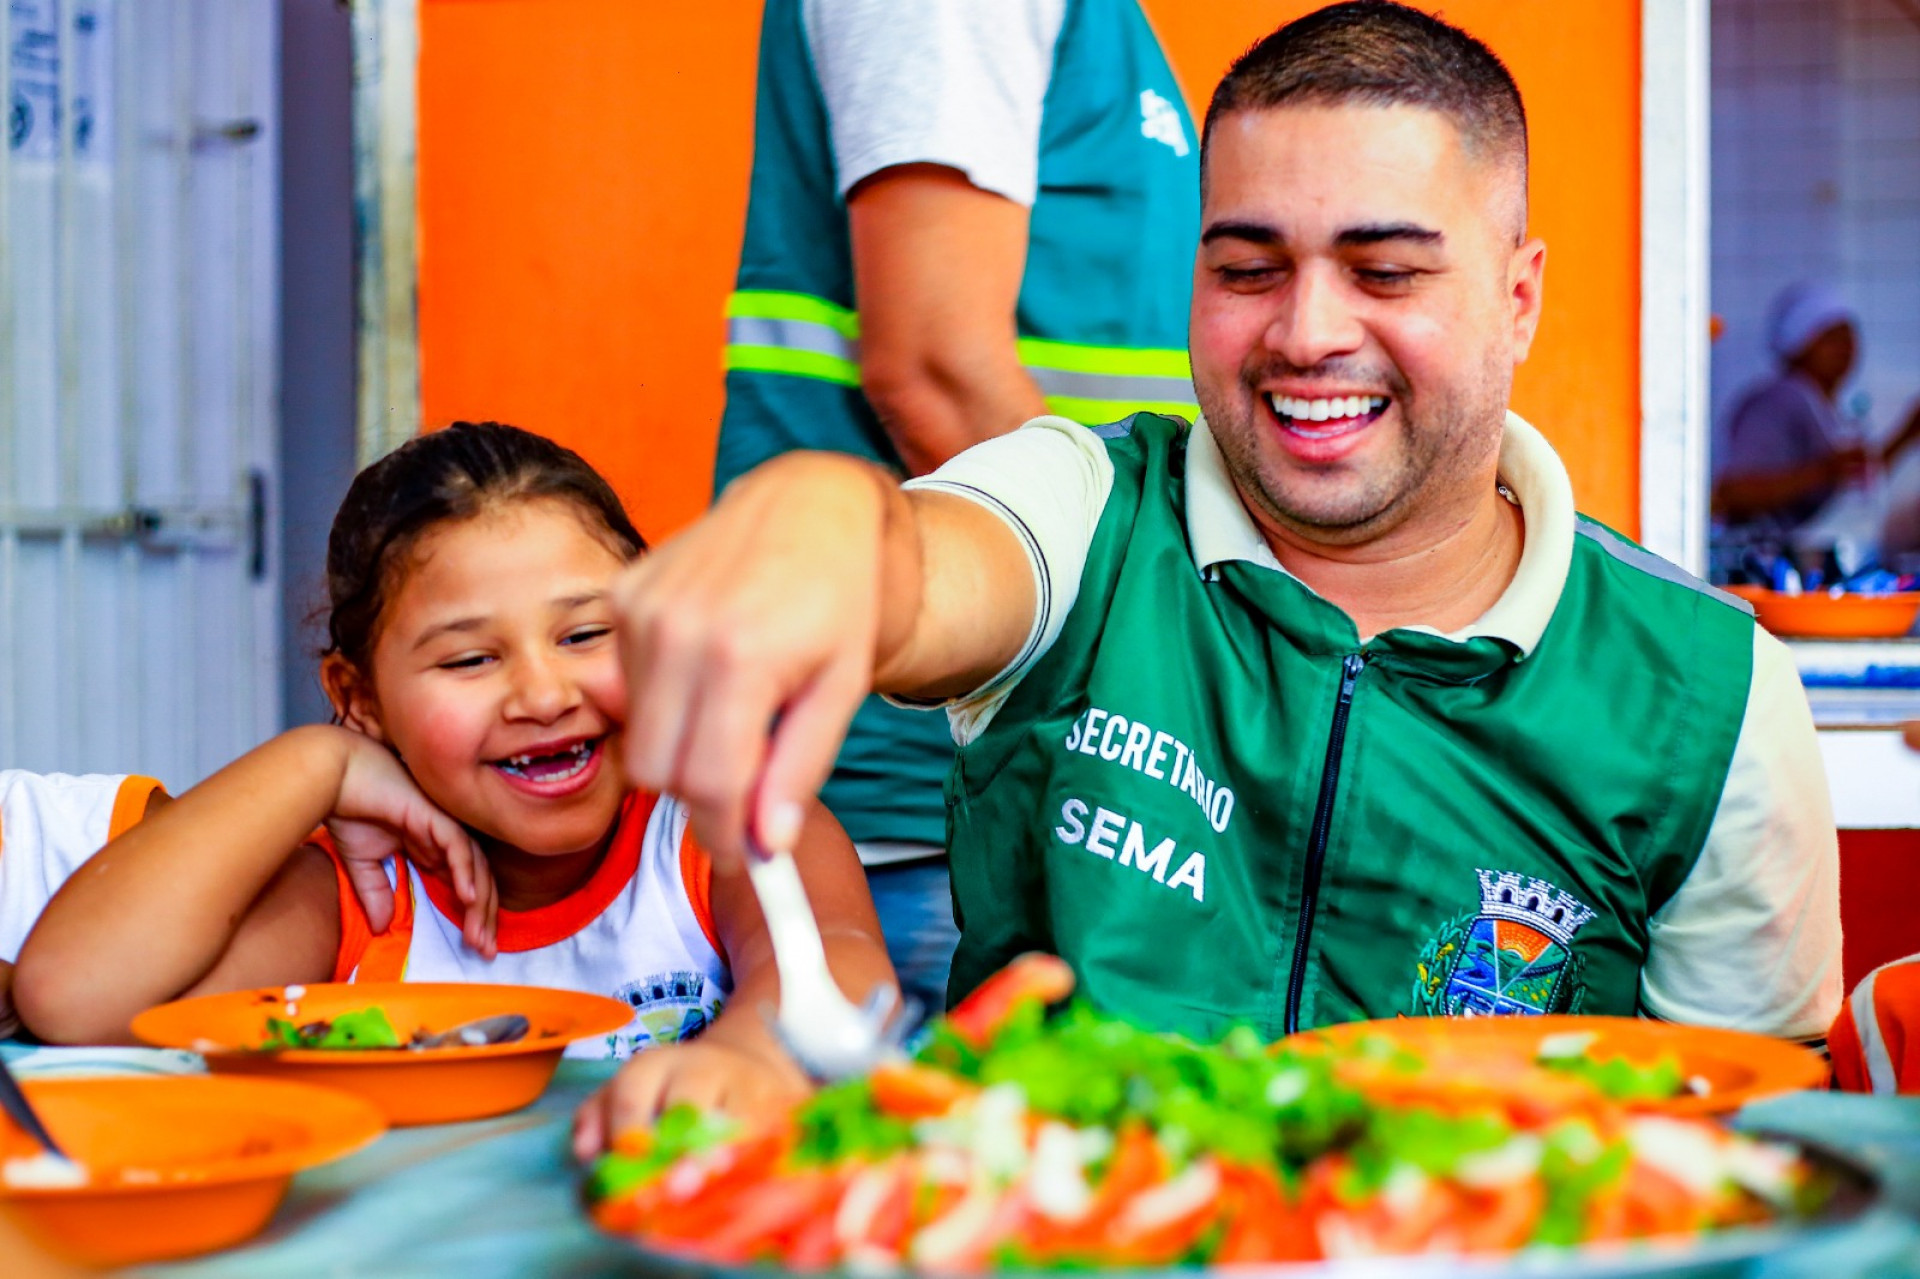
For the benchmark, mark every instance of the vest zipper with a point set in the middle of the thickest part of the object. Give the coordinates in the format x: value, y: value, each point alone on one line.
x: 1317, y: 840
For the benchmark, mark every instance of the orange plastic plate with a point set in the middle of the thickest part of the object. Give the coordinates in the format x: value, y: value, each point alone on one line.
x: 1737, y: 1067
x: 1817, y: 615
x: 430, y: 1086
x: 179, y: 1165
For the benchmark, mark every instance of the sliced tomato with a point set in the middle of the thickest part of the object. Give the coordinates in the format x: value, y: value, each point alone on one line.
x: 1033, y: 977
x: 690, y: 1212
x: 875, y: 1212
x: 1138, y: 1163
x: 929, y: 1202
x: 765, y: 1217
x: 621, y: 1214
x: 1161, y: 1225
x: 913, y: 1091
x: 1502, y: 1219
x: 962, y: 1240
x: 812, y: 1244
x: 1607, y: 1214
x: 888, y: 1229
x: 1654, y: 1203
x: 1379, y: 1222
x: 1263, y: 1224
x: 1415, y: 1226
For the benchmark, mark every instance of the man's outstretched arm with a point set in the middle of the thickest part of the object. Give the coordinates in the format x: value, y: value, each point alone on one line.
x: 749, y: 640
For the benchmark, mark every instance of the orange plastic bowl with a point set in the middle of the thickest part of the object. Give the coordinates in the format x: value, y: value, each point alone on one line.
x: 179, y: 1165
x: 1736, y: 1067
x: 1817, y: 615
x: 429, y: 1086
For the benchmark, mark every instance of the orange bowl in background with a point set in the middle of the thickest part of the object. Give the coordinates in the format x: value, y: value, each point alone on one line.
x: 1817, y: 615
x: 179, y: 1165
x: 1736, y: 1067
x: 430, y: 1086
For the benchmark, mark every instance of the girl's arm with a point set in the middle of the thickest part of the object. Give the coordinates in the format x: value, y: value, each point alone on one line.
x: 739, y: 1065
x: 220, y: 890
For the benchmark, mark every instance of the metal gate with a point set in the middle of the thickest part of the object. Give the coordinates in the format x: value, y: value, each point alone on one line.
x: 138, y: 591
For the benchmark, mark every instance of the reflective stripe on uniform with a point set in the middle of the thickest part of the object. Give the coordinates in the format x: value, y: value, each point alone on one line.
x: 793, y: 333
x: 805, y: 336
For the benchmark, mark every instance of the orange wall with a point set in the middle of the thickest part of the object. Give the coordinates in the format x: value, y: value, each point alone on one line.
x: 583, y: 185
x: 583, y: 168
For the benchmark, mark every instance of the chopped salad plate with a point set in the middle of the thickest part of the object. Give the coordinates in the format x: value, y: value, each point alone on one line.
x: 1018, y: 1142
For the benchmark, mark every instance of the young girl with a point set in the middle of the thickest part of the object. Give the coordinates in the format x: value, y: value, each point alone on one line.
x: 475, y: 823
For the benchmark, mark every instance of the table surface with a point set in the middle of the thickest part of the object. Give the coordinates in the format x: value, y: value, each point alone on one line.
x: 500, y: 1197
x: 496, y: 1197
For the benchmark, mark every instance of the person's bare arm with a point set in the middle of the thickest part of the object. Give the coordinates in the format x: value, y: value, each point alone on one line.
x: 738, y: 1065
x: 218, y: 890
x: 1902, y: 439
x: 1759, y: 493
x: 9, y: 1022
x: 749, y: 640
x: 937, y: 264
x: 157, y: 798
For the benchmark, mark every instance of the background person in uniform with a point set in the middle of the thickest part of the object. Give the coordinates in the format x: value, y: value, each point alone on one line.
x: 1783, y: 451
x: 1006, y: 190
x: 1329, y: 706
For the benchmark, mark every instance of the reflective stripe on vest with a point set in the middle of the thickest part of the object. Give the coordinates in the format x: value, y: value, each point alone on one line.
x: 804, y: 336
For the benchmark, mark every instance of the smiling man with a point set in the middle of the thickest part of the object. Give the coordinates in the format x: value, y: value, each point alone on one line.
x: 1328, y: 706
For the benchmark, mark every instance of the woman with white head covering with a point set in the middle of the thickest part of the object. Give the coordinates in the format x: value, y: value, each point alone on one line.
x: 1784, y: 451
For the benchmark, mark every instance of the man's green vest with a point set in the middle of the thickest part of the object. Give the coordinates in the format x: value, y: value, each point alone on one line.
x: 1101, y: 315
x: 1221, y: 807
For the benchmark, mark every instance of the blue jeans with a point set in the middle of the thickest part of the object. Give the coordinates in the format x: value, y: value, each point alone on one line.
x: 915, y: 901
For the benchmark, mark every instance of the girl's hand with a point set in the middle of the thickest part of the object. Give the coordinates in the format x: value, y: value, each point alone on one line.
x: 381, y: 813
x: 709, y: 1073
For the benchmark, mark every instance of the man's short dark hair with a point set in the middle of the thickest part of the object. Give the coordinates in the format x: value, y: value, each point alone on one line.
x: 1379, y: 53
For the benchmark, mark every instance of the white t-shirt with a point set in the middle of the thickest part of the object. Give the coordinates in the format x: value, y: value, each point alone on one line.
x: 959, y: 83
x: 1752, y: 938
x: 641, y: 930
x: 49, y: 824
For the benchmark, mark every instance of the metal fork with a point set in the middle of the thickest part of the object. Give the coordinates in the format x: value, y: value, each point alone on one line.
x: 828, y: 1034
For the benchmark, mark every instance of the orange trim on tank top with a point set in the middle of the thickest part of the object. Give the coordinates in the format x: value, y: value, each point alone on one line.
x: 365, y: 955
x: 696, y: 877
x: 385, y: 956
x: 522, y: 930
x: 130, y: 804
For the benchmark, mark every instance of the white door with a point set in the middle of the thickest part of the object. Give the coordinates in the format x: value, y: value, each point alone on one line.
x: 138, y: 588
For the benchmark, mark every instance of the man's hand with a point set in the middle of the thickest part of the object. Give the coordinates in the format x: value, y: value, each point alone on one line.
x: 749, y: 641
x: 381, y: 813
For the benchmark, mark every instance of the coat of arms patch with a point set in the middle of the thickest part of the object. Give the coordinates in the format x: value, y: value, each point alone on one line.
x: 1514, y: 958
